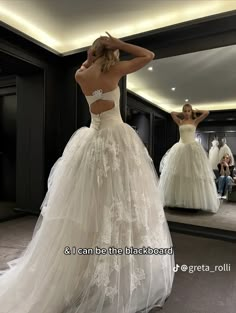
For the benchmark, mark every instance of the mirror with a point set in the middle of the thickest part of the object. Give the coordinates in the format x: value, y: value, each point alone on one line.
x: 206, y: 80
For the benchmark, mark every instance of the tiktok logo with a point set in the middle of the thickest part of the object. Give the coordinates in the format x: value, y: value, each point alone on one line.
x: 175, y: 268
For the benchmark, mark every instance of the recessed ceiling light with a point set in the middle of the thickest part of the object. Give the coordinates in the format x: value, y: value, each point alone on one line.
x: 150, y: 68
x: 186, y: 100
x: 173, y: 88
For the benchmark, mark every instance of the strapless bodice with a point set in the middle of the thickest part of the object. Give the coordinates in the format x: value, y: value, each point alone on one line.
x: 109, y: 117
x: 187, y: 133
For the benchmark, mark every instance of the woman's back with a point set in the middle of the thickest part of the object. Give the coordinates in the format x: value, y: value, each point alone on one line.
x: 103, y: 69
x: 93, y: 79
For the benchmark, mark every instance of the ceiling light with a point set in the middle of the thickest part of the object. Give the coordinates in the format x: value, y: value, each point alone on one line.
x: 186, y: 100
x: 25, y: 26
x: 173, y: 88
x: 150, y: 68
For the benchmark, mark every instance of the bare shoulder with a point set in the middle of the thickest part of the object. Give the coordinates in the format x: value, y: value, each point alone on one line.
x: 89, y: 82
x: 79, y: 76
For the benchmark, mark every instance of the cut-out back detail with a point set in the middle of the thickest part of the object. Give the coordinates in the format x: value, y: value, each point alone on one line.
x: 110, y: 96
x: 109, y: 105
x: 109, y: 116
x: 99, y: 94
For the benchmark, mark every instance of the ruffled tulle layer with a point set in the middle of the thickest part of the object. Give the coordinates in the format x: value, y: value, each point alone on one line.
x: 102, y: 193
x: 214, y: 157
x: 187, y: 179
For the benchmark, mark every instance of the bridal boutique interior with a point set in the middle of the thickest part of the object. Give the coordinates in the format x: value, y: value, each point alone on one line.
x: 204, y: 79
x: 41, y: 106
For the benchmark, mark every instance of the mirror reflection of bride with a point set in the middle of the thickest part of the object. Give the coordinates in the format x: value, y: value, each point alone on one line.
x: 187, y: 179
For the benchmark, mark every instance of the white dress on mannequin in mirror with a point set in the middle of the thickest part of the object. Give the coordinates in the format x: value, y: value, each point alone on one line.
x: 102, y: 192
x: 225, y: 149
x: 187, y: 179
x: 214, y: 154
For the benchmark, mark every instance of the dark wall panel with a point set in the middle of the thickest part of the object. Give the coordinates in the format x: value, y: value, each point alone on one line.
x: 30, y: 142
x: 8, y: 115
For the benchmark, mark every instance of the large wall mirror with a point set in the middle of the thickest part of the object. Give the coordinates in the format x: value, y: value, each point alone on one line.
x: 206, y: 80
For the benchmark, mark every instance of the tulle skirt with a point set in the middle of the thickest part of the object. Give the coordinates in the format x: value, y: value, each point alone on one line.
x: 214, y: 157
x: 187, y: 179
x: 101, y: 243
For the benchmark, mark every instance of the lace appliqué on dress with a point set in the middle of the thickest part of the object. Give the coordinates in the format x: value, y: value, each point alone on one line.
x: 104, y: 156
x: 98, y: 93
x: 105, y: 269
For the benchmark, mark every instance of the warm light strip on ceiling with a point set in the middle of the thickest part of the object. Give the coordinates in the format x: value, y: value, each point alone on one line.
x: 168, y: 107
x: 183, y: 14
x: 159, y: 21
x: 28, y: 28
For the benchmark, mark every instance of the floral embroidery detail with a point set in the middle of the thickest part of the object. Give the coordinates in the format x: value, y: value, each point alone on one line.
x: 117, y: 210
x: 98, y: 93
x: 111, y: 292
x: 91, y: 157
x: 137, y: 277
x: 113, y: 235
x: 101, y: 275
x: 103, y: 156
x: 107, y: 265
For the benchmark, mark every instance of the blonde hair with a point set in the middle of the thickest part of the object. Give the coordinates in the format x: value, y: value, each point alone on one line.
x: 189, y: 106
x: 229, y: 156
x: 110, y: 57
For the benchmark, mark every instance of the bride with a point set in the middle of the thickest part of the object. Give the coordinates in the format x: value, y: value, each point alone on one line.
x: 101, y: 243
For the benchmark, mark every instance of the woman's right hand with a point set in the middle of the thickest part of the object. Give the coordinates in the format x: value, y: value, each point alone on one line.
x: 111, y: 42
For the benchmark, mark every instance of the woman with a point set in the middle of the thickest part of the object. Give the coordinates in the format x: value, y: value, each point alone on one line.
x: 225, y: 180
x: 100, y: 214
x: 187, y: 179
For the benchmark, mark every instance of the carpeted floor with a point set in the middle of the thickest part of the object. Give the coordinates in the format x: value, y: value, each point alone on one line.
x: 197, y: 292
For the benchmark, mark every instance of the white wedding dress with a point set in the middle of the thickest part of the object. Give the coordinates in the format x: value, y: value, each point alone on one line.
x: 102, y: 192
x: 214, y: 154
x: 187, y: 179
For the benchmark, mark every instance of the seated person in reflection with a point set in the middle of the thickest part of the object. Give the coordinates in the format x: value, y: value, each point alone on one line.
x: 225, y: 180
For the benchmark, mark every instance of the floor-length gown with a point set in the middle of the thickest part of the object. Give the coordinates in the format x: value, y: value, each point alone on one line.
x: 102, y: 194
x: 187, y: 179
x: 214, y: 154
